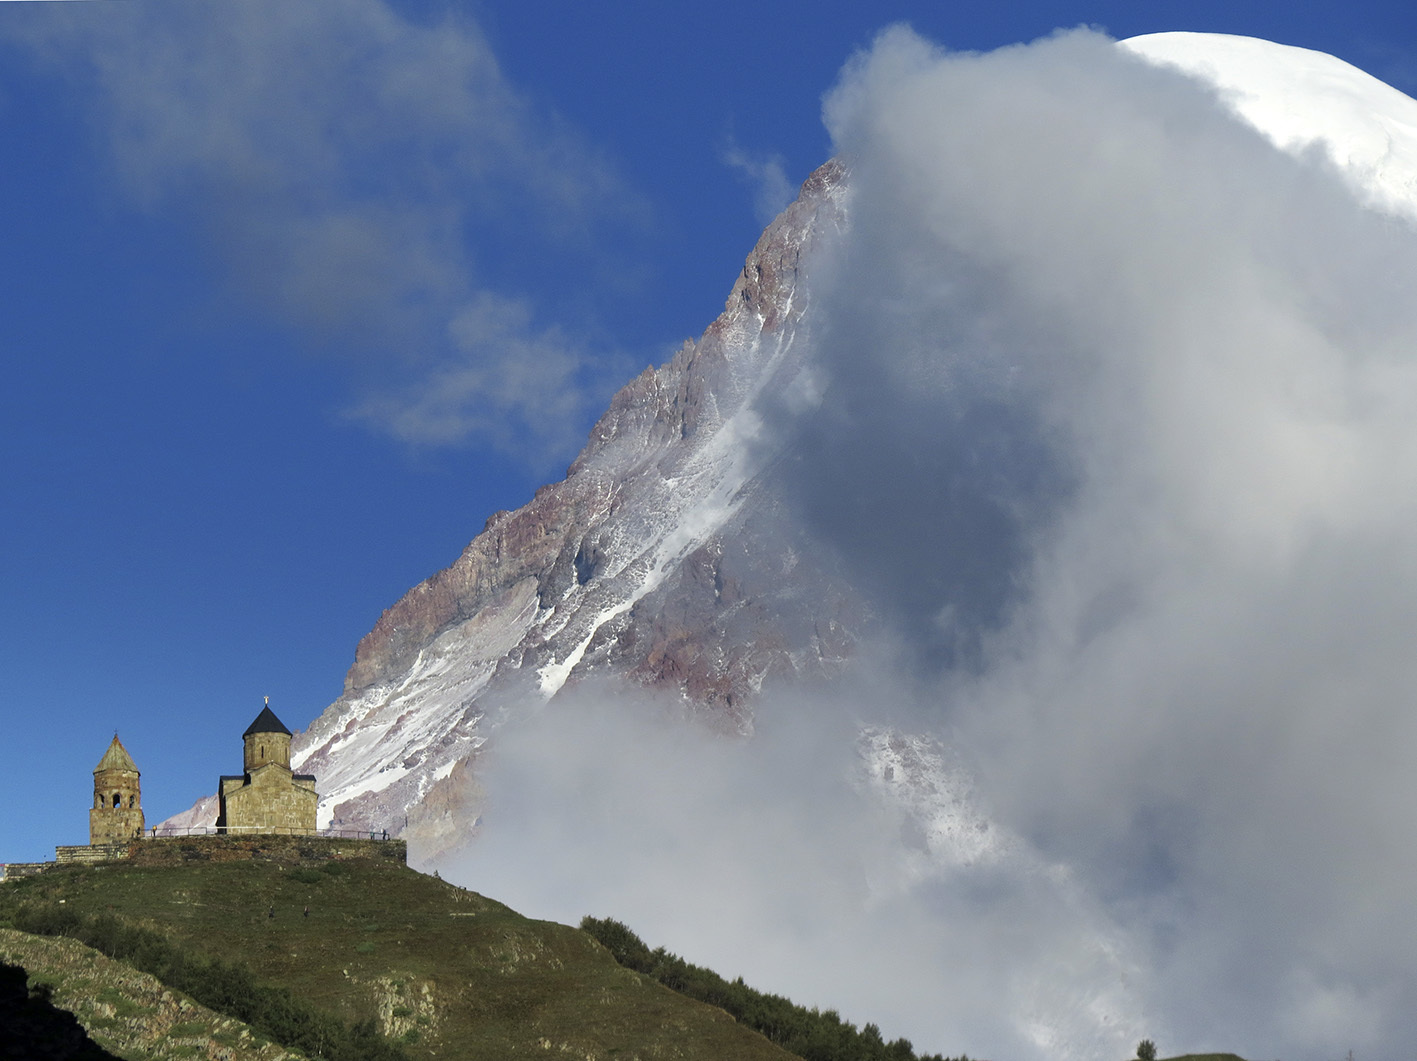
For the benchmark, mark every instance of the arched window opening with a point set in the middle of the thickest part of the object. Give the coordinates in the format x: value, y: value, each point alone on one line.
x: 132, y: 801
x: 117, y: 800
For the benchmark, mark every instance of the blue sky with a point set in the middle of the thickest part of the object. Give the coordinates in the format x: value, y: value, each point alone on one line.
x: 222, y: 460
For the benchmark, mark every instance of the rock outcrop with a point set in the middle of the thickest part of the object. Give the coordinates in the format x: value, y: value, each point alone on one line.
x: 127, y: 1013
x: 662, y: 559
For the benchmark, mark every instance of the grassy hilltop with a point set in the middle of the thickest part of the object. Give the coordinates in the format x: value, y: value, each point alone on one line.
x: 344, y: 941
x: 442, y: 971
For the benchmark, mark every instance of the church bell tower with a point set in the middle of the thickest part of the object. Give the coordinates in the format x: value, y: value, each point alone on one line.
x: 117, y: 812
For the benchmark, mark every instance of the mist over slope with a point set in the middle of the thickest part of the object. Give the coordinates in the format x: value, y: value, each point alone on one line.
x: 1169, y: 371
x: 1041, y: 505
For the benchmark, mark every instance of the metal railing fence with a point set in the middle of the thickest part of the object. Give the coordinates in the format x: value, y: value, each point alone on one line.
x: 164, y: 832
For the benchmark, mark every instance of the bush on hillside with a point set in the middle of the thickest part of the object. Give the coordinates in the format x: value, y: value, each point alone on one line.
x: 810, y: 1034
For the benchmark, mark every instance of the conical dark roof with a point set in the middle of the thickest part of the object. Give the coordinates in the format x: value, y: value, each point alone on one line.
x: 266, y: 722
x: 117, y: 758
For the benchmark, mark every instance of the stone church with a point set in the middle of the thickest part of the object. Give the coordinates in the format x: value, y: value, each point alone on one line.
x: 266, y: 797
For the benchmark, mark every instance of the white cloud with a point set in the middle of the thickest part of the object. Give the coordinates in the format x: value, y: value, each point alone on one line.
x: 345, y: 165
x: 505, y: 381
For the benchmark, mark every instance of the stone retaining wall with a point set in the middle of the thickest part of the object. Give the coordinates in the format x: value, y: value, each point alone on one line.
x: 172, y: 850
x: 87, y: 854
x: 16, y: 870
x: 164, y: 850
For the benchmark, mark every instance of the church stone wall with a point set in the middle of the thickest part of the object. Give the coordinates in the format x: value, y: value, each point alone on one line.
x: 262, y: 748
x: 113, y: 826
x: 272, y: 801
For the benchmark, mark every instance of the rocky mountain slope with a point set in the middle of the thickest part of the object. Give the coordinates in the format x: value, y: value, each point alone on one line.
x: 660, y: 559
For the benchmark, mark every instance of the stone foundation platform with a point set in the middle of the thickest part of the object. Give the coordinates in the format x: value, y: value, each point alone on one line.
x: 176, y: 850
x: 293, y: 850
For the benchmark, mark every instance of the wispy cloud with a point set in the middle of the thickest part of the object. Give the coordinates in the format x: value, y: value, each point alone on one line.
x: 506, y: 381
x: 766, y: 175
x: 347, y: 166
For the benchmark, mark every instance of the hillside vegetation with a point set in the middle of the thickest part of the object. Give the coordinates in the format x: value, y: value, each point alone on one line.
x: 809, y: 1033
x: 438, y: 970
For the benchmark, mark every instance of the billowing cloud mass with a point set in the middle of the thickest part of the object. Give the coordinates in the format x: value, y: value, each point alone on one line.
x: 1174, y: 369
x: 1119, y: 431
x: 363, y: 177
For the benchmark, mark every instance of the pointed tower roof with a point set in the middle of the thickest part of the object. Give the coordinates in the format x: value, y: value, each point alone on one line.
x: 116, y: 758
x: 266, y: 722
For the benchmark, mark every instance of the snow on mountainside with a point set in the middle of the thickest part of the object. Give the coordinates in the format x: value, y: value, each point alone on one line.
x: 649, y: 560
x: 1302, y: 100
x: 661, y: 559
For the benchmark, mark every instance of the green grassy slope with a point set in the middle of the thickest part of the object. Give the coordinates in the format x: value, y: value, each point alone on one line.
x: 445, y: 971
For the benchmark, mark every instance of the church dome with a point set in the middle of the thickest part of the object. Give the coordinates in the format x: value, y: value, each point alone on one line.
x: 266, y: 722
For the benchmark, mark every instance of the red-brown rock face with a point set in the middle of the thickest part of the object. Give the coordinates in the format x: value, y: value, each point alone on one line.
x: 661, y: 559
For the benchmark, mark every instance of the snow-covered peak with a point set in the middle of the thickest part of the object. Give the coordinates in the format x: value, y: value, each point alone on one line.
x: 1300, y: 100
